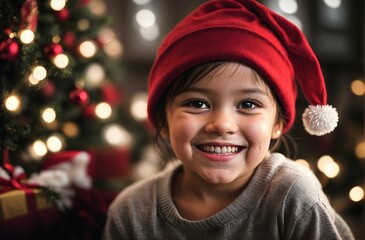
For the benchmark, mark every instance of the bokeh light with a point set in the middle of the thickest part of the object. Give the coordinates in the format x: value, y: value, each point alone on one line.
x: 103, y: 110
x: 12, y: 103
x: 145, y: 18
x: 356, y: 194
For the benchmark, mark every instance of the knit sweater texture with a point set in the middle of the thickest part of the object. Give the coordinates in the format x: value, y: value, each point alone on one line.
x: 283, y: 200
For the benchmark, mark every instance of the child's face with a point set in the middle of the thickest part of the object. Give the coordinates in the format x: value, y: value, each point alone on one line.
x: 221, y: 126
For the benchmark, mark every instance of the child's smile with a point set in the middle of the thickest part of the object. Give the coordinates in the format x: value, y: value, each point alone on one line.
x: 219, y: 151
x: 222, y: 125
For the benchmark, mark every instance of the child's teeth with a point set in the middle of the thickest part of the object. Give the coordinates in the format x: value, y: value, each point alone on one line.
x: 217, y: 149
x: 224, y: 150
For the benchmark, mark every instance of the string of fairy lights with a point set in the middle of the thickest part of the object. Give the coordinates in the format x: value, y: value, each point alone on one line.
x: 94, y: 76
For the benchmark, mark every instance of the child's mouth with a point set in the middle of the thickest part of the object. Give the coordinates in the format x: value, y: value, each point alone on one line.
x: 219, y: 149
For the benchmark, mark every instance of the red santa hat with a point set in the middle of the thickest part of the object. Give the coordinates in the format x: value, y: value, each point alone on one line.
x: 247, y: 32
x: 78, y: 157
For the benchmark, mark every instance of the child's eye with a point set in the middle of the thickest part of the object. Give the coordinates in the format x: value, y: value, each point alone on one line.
x: 197, y: 104
x: 247, y: 105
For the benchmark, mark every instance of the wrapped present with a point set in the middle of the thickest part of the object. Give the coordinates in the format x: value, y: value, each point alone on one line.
x: 24, y: 215
x: 17, y: 203
x: 24, y: 210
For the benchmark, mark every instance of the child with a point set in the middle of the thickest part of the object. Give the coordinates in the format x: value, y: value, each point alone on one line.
x: 221, y: 92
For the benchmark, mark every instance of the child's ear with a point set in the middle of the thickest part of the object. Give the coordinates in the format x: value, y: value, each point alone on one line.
x: 277, y: 130
x: 165, y: 133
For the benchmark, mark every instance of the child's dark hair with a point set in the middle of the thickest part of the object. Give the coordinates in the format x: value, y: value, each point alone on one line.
x: 180, y: 85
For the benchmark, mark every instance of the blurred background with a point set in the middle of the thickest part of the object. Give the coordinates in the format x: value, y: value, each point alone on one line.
x: 73, y: 113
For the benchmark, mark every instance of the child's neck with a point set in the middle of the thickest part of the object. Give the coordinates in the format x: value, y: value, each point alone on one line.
x: 196, y: 199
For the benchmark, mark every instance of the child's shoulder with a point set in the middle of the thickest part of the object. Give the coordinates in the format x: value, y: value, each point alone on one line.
x: 282, y: 168
x: 297, y: 182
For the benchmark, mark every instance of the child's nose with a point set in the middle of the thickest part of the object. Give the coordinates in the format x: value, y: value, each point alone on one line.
x: 221, y: 123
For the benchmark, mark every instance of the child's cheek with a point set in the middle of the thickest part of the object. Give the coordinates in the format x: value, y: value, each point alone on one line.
x: 259, y: 132
x: 182, y: 131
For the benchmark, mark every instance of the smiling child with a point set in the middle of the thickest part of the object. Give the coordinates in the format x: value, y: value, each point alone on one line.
x: 222, y: 94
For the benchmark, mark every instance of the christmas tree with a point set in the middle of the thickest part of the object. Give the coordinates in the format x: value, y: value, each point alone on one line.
x: 60, y: 84
x: 56, y: 77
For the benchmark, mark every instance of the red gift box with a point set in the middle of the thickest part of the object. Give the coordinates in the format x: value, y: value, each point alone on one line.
x: 25, y: 214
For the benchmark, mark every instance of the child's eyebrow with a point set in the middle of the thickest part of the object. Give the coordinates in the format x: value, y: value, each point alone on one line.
x: 238, y: 91
x: 253, y: 91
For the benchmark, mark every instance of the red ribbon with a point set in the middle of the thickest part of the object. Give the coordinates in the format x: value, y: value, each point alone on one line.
x: 7, y: 164
x: 15, y: 181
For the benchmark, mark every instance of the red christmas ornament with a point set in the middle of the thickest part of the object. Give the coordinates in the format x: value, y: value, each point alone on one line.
x: 48, y: 89
x: 79, y: 97
x: 89, y: 111
x: 53, y: 49
x: 63, y: 15
x: 69, y: 39
x: 9, y: 49
x: 111, y: 94
x: 7, y: 31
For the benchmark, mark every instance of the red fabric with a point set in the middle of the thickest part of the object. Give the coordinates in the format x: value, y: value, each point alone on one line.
x: 110, y: 163
x: 241, y: 31
x: 15, y: 179
x: 57, y: 158
x: 111, y: 94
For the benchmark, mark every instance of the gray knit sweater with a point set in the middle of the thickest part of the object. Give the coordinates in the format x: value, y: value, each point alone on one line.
x: 282, y: 201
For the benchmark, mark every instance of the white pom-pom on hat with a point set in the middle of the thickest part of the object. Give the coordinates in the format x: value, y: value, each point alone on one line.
x: 319, y: 120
